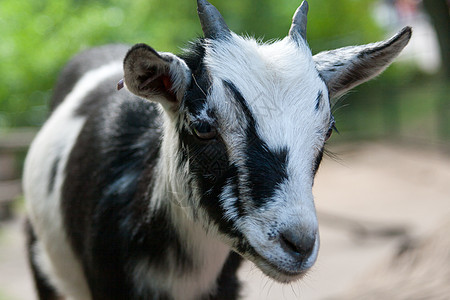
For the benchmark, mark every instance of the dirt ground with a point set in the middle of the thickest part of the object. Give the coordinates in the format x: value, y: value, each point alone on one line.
x: 369, y: 201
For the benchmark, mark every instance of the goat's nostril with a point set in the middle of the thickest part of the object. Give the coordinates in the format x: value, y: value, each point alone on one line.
x: 297, y: 244
x: 289, y: 245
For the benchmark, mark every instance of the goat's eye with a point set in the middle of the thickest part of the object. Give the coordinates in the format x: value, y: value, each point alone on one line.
x: 205, y: 131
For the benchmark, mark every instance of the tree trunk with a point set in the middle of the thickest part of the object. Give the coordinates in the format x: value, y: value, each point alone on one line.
x: 438, y: 11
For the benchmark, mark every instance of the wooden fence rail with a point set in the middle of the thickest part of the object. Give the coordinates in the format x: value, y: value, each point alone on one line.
x: 13, y: 145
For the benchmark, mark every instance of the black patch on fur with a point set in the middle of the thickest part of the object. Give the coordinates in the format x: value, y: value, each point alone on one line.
x: 319, y: 99
x: 209, y: 161
x: 267, y: 167
x: 228, y: 285
x: 195, y: 55
x: 209, y: 164
x: 195, y: 96
x: 210, y: 201
x: 44, y: 290
x: 53, y: 173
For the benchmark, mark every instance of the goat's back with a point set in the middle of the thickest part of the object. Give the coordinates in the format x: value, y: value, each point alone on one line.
x: 79, y: 65
x: 83, y: 170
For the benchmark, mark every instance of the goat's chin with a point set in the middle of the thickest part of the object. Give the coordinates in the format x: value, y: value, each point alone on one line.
x: 278, y: 274
x: 282, y: 267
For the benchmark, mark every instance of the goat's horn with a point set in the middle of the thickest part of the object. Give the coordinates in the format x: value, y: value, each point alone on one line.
x: 213, y: 24
x: 299, y: 22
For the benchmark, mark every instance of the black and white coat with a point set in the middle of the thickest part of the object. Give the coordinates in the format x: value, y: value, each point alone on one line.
x: 135, y: 199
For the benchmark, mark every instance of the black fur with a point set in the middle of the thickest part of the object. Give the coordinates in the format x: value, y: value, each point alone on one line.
x: 52, y: 177
x: 44, y: 289
x: 195, y: 96
x: 228, y: 286
x: 194, y: 56
x: 319, y: 100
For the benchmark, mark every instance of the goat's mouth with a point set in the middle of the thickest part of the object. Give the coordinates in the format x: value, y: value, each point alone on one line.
x: 282, y: 265
x: 278, y: 273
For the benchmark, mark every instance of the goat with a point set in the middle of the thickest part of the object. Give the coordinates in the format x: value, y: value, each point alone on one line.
x: 158, y: 190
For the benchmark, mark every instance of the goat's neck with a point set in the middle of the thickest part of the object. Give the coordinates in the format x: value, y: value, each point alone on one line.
x: 206, y: 253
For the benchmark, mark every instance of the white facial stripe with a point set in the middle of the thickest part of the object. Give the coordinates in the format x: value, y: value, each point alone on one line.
x: 228, y: 201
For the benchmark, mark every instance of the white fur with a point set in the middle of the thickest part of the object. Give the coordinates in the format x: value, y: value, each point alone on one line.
x: 56, y: 139
x: 227, y: 200
x: 208, y: 254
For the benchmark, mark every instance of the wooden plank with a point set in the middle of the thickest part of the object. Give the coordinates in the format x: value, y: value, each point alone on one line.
x: 13, y: 140
x: 9, y: 191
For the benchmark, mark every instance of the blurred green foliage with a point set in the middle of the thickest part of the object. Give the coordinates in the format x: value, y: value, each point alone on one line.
x: 38, y: 37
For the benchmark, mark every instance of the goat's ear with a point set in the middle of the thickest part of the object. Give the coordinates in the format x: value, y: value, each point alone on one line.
x: 345, y: 68
x: 161, y: 77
